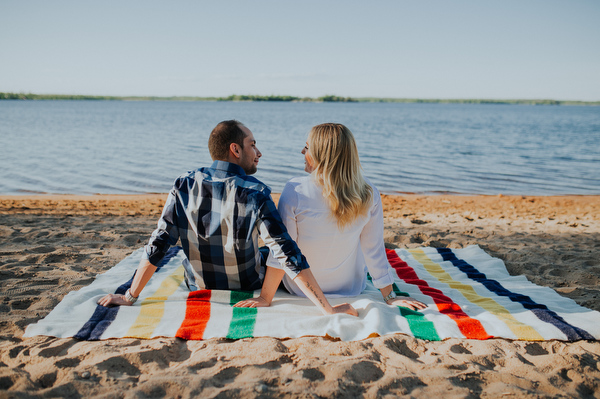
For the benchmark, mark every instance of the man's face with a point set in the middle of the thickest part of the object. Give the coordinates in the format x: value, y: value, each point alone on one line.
x: 250, y: 153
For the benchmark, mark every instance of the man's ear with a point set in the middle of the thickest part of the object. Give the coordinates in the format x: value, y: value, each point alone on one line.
x: 235, y: 150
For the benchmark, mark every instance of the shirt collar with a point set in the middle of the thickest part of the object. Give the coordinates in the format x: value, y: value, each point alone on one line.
x: 228, y: 167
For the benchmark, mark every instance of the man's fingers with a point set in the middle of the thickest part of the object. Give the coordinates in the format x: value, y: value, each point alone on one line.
x: 113, y: 299
x: 414, y: 305
x: 105, y: 300
x: 249, y: 303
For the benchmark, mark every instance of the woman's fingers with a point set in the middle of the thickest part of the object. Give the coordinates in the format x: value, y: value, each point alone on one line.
x: 345, y: 308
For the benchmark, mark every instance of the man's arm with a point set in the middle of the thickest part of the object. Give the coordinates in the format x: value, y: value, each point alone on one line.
x: 164, y: 236
x: 404, y: 301
x: 142, y: 276
x: 272, y: 280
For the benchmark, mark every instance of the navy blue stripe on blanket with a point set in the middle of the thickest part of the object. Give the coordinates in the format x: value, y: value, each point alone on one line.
x: 103, y: 317
x: 540, y: 310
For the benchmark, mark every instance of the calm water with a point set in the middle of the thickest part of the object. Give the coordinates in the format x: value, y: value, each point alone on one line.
x: 86, y: 147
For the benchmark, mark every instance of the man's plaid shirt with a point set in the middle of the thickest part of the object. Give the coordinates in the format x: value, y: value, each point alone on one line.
x: 218, y: 214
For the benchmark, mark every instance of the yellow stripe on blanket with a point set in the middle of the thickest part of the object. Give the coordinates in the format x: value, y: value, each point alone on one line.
x: 153, y: 307
x: 522, y: 331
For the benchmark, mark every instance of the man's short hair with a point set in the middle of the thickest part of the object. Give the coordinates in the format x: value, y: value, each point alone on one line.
x: 222, y: 136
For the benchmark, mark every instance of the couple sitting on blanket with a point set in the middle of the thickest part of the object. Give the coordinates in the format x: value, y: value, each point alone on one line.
x: 331, y: 219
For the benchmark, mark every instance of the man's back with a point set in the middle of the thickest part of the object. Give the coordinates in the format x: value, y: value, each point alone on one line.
x: 217, y: 213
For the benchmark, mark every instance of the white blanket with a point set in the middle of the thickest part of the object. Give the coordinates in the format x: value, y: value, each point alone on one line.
x: 470, y: 295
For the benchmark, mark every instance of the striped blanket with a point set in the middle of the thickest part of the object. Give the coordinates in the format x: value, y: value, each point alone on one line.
x: 470, y: 295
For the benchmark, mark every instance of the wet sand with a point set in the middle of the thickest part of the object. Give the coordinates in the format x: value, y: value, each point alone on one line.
x: 55, y: 244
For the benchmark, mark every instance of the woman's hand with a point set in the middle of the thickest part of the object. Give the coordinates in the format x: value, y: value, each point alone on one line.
x: 258, y: 302
x: 345, y: 308
x: 407, y: 302
x: 114, y: 300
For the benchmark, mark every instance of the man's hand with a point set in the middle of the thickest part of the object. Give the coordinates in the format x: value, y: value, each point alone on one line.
x: 345, y: 308
x: 114, y: 300
x: 258, y: 302
x: 407, y: 303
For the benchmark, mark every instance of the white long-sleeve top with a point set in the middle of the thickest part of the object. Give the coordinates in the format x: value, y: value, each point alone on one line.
x: 339, y: 259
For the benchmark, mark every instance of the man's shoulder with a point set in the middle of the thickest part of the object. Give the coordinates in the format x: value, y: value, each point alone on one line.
x: 189, y: 179
x: 186, y: 179
x: 252, y: 183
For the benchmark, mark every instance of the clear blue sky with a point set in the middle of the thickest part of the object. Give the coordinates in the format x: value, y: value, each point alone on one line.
x: 383, y: 48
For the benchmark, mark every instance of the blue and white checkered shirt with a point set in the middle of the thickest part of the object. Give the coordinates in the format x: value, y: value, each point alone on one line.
x: 218, y: 214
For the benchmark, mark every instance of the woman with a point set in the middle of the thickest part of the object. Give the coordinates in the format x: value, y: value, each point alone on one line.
x: 335, y: 216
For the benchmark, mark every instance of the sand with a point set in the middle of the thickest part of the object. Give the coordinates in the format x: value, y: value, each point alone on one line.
x: 55, y: 244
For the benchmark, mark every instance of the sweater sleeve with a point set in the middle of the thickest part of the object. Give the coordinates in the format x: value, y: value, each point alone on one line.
x: 373, y: 248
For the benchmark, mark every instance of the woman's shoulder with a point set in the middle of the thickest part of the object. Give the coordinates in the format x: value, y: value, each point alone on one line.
x: 299, y: 183
x: 300, y: 179
x: 302, y: 188
x: 370, y: 183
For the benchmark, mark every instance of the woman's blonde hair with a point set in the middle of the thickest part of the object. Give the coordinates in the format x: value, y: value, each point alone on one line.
x: 337, y: 170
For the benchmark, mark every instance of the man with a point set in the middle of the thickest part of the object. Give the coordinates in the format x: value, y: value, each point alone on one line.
x: 218, y: 214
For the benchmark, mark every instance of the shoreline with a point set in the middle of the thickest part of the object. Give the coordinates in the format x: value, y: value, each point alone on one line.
x: 56, y: 244
x: 296, y: 99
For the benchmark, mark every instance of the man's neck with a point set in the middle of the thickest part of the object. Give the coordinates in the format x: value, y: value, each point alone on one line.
x: 227, y: 166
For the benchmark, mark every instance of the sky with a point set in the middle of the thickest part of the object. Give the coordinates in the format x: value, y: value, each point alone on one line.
x: 509, y: 49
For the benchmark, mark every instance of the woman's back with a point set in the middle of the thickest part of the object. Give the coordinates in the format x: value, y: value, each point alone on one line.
x: 338, y: 257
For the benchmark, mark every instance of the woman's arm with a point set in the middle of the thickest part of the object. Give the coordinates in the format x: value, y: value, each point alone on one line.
x: 309, y: 286
x: 373, y: 247
x: 307, y: 283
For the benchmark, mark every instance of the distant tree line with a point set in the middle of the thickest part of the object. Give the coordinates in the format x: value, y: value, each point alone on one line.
x: 327, y: 98
x: 23, y: 96
x: 244, y: 97
x: 29, y: 96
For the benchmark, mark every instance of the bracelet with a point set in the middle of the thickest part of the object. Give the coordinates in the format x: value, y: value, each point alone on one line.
x: 391, y: 295
x: 130, y: 297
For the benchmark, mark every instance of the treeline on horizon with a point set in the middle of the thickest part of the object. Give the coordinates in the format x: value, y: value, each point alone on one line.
x: 327, y: 98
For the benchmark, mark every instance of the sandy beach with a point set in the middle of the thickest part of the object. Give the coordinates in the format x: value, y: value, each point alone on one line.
x: 52, y: 245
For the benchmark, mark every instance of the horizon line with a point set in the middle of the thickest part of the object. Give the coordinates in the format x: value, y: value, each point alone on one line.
x: 286, y: 98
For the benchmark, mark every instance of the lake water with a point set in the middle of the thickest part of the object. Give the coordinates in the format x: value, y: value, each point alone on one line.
x: 87, y: 147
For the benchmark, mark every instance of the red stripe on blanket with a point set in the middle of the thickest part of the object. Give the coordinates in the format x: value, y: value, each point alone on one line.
x: 197, y: 313
x: 469, y: 327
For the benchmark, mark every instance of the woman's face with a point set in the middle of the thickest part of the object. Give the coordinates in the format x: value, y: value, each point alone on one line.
x: 308, y: 161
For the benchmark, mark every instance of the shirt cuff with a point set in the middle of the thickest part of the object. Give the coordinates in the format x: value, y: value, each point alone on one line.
x: 154, y: 258
x: 383, y: 281
x: 291, y: 269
